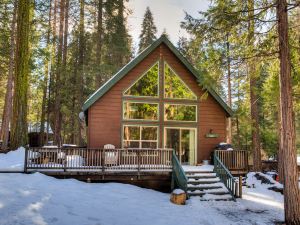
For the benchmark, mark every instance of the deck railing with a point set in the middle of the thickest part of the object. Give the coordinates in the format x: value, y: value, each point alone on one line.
x: 179, y: 178
x: 98, y: 160
x: 236, y: 160
x: 233, y: 184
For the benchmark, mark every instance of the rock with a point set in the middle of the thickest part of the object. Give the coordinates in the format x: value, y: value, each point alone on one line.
x: 178, y: 197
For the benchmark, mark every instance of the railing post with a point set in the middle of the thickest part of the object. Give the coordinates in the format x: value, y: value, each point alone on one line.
x: 139, y: 162
x: 65, y: 159
x: 240, y: 186
x: 103, y: 161
x: 25, y: 160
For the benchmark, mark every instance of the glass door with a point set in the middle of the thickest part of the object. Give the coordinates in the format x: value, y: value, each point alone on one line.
x: 183, y: 141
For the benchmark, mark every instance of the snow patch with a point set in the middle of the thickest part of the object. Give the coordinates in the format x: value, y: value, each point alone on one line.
x: 13, y: 160
x: 178, y: 191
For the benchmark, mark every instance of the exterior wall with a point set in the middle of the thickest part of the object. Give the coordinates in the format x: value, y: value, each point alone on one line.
x: 105, y: 115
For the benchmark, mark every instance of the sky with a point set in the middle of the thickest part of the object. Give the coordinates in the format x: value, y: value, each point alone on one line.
x: 167, y: 14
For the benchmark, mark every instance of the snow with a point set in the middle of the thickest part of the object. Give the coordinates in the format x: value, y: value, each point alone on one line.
x: 39, y: 199
x: 178, y: 191
x: 13, y: 160
x: 202, y: 168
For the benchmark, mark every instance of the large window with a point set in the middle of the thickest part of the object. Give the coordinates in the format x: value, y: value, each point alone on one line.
x: 174, y: 87
x: 140, y: 111
x: 140, y: 136
x: 145, y: 86
x: 180, y: 112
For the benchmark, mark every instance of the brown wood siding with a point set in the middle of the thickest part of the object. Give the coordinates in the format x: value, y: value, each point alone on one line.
x: 105, y: 115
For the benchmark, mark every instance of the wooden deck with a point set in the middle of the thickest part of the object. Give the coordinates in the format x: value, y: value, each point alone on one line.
x: 151, y: 168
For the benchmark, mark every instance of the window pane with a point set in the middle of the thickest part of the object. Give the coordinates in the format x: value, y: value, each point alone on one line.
x: 131, y: 144
x: 149, y: 144
x: 140, y: 111
x: 147, y: 85
x: 131, y: 133
x: 174, y: 86
x: 180, y: 112
x: 149, y: 133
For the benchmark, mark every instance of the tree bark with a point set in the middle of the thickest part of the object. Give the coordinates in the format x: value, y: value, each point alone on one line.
x: 229, y: 122
x: 6, y: 118
x: 288, y: 137
x: 99, y: 43
x: 19, y: 116
x: 59, y: 72
x: 81, y: 51
x: 45, y: 83
x: 253, y: 94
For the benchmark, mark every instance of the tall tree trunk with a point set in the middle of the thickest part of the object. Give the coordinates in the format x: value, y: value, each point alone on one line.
x: 6, y: 118
x: 19, y: 119
x: 59, y: 72
x: 99, y: 78
x: 45, y: 83
x: 253, y: 93
x: 229, y: 122
x: 288, y: 137
x: 81, y: 51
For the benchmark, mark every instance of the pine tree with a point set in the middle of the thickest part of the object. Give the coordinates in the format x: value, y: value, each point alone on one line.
x: 147, y: 36
x: 20, y: 101
x: 287, y: 142
x: 6, y: 117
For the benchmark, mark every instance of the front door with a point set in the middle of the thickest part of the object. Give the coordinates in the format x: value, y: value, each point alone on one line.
x: 183, y: 141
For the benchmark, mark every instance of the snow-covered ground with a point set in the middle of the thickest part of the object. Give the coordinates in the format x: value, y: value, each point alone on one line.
x: 13, y: 160
x: 38, y: 199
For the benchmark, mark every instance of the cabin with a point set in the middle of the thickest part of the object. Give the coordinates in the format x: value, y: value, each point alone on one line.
x: 157, y: 101
x: 153, y: 116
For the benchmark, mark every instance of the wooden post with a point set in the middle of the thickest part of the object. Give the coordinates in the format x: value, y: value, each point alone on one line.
x: 65, y: 159
x: 103, y: 162
x: 139, y: 162
x: 240, y: 186
x: 25, y: 160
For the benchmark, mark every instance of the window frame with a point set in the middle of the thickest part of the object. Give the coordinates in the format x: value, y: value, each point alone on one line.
x: 140, y: 139
x: 164, y: 91
x: 145, y: 102
x: 183, y: 104
x: 139, y: 78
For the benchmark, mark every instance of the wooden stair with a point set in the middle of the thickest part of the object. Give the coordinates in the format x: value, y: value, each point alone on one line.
x: 207, y: 186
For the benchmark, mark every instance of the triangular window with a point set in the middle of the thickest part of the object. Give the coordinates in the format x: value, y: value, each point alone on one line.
x: 146, y: 85
x: 175, y: 87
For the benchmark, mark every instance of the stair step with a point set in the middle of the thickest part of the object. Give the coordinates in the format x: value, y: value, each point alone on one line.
x: 199, y: 172
x: 204, y: 181
x: 201, y: 193
x: 200, y: 176
x: 190, y: 188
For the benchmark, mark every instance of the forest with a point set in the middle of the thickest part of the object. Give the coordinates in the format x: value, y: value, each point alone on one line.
x: 75, y: 46
x: 54, y: 54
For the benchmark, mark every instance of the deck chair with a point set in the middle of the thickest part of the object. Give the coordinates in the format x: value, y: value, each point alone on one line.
x: 111, y: 155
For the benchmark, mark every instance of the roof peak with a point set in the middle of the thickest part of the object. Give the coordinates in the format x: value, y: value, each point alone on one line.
x: 142, y: 55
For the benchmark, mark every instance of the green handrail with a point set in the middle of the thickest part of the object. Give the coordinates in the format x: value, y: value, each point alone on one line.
x: 226, y: 177
x: 179, y: 178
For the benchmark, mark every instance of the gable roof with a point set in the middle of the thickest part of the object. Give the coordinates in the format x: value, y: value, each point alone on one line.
x: 122, y: 72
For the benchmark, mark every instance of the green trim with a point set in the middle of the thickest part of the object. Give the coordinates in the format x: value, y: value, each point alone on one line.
x: 119, y: 75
